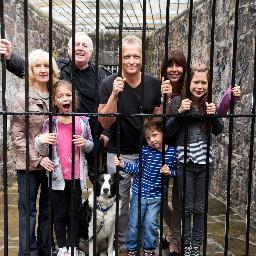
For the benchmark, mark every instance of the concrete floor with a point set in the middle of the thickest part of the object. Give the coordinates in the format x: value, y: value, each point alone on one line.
x: 216, y: 229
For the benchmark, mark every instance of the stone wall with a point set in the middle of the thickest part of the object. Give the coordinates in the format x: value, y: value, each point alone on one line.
x: 178, y: 39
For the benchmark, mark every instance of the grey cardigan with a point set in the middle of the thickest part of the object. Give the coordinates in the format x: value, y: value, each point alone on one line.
x: 176, y: 129
x: 58, y: 182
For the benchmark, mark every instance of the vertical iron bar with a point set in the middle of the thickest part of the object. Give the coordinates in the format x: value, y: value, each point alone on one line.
x: 96, y: 123
x: 50, y: 84
x: 186, y: 124
x: 143, y: 53
x: 73, y: 187
x: 208, y: 125
x: 120, y: 35
x: 230, y: 130
x: 166, y: 49
x: 27, y: 181
x: 251, y: 155
x: 4, y: 109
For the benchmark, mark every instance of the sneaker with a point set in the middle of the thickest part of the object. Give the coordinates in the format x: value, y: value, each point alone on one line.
x: 149, y: 253
x: 187, y: 251
x: 195, y: 251
x: 63, y: 252
x: 131, y: 253
x: 121, y: 248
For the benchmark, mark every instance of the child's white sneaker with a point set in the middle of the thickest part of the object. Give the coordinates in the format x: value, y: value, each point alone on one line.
x: 63, y: 252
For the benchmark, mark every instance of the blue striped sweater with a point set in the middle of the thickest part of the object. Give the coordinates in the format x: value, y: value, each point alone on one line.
x: 151, y: 177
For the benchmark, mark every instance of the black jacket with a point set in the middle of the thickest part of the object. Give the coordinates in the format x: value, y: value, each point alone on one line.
x: 66, y: 69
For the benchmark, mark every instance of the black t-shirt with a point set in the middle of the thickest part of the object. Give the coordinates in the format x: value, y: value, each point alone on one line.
x: 130, y: 104
x: 84, y: 82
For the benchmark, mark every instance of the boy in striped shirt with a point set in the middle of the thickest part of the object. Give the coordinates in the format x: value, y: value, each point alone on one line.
x: 151, y: 191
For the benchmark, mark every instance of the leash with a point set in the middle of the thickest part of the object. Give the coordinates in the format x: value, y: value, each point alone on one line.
x: 81, y: 240
x: 104, y: 210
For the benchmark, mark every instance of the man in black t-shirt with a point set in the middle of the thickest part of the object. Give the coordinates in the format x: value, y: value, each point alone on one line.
x: 130, y: 87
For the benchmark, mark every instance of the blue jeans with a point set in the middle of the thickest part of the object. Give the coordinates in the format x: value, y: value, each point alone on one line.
x: 149, y: 219
x: 38, y: 245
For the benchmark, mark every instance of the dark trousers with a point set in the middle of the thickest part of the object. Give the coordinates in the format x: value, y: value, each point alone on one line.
x: 194, y: 200
x: 63, y: 213
x: 38, y: 182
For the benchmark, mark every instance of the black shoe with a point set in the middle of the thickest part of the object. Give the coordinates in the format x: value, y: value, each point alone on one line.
x: 165, y: 243
x: 54, y: 252
x: 174, y: 254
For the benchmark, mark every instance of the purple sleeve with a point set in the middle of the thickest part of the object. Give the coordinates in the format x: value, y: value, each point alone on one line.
x: 224, y: 104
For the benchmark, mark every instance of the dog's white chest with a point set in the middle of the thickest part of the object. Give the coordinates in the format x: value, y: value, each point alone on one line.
x: 108, y: 218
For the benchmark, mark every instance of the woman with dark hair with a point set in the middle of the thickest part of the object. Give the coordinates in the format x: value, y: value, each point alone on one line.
x: 176, y: 72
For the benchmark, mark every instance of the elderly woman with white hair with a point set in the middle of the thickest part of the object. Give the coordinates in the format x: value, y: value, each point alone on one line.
x: 38, y: 101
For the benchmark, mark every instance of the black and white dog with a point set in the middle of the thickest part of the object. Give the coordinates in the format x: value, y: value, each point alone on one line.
x: 106, y: 213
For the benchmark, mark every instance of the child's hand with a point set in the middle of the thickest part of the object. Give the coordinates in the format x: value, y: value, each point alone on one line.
x: 210, y: 108
x: 79, y: 141
x: 48, y: 138
x: 47, y: 164
x: 166, y: 87
x: 165, y: 170
x: 236, y: 91
x: 185, y: 105
x: 119, y: 162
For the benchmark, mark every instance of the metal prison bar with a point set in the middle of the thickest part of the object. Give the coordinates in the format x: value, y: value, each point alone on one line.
x: 231, y: 128
x: 50, y: 221
x: 4, y: 109
x: 119, y: 115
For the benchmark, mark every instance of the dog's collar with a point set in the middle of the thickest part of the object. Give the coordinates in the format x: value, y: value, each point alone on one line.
x: 103, y: 209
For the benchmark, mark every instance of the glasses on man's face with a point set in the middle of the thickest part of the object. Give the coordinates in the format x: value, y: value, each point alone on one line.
x: 81, y: 45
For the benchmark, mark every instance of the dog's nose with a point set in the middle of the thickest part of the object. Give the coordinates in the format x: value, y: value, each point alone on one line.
x: 105, y: 190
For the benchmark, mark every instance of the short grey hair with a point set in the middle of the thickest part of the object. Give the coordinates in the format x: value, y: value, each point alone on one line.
x: 131, y: 39
x: 86, y: 37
